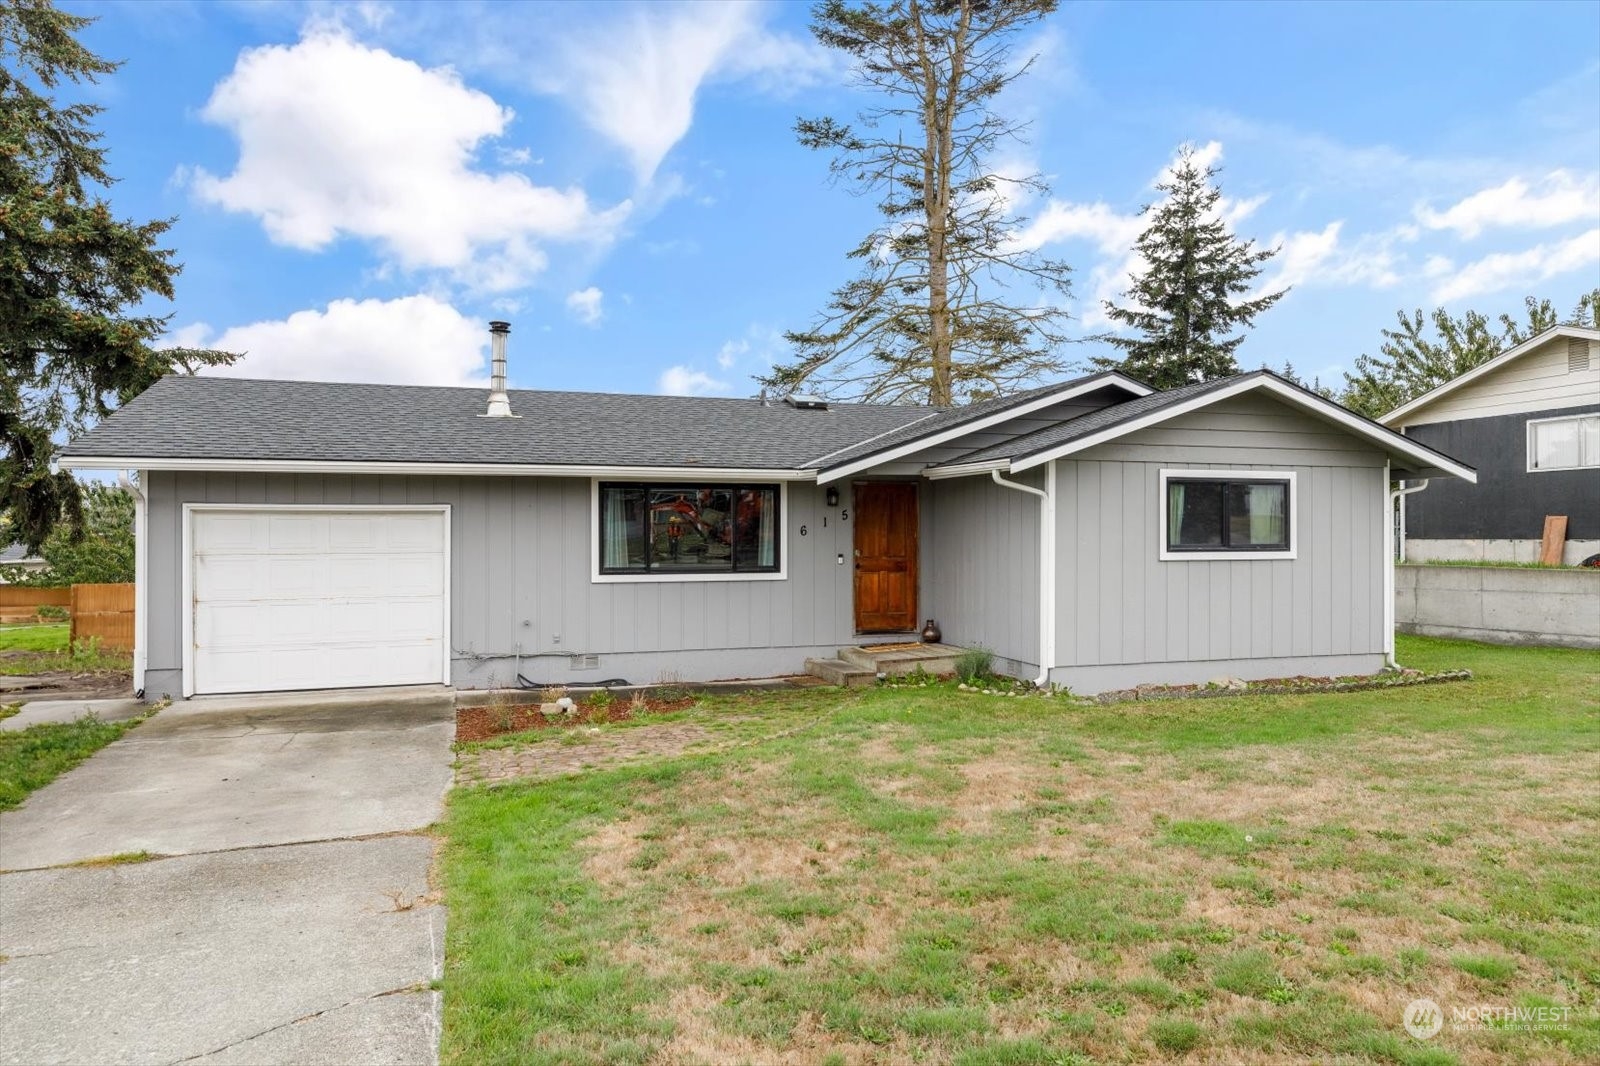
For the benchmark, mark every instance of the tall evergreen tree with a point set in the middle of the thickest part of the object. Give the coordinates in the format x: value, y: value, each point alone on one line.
x: 1410, y: 362
x: 73, y: 338
x: 948, y: 306
x: 1186, y: 305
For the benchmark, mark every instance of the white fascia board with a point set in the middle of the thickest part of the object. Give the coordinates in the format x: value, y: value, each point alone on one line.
x: 1510, y: 354
x: 977, y: 425
x: 941, y: 473
x: 319, y: 466
x: 1387, y: 439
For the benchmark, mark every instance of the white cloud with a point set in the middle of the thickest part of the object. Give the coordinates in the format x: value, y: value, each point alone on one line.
x: 586, y: 304
x: 730, y: 352
x: 413, y: 340
x: 1520, y: 271
x: 1559, y: 198
x: 635, y: 78
x: 340, y: 139
x: 1063, y: 220
x: 686, y: 381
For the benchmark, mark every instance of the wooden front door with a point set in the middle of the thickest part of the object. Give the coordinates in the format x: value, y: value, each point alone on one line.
x: 886, y: 556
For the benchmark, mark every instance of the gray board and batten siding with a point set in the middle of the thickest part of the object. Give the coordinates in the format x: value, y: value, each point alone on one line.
x: 520, y: 573
x: 1126, y: 617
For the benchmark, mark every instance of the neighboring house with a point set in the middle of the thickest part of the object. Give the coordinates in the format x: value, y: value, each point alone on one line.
x: 1091, y: 533
x: 1529, y: 421
x: 16, y: 555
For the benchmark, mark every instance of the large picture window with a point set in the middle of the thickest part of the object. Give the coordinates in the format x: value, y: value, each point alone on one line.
x: 689, y: 530
x: 1208, y: 514
x: 1564, y: 443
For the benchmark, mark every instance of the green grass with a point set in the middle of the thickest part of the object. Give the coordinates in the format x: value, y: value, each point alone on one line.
x: 35, y: 638
x: 40, y: 649
x: 933, y: 875
x: 31, y: 758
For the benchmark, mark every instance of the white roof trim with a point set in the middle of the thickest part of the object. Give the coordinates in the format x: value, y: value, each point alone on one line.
x: 940, y: 473
x: 1510, y: 354
x: 318, y: 466
x: 932, y: 440
x: 1387, y: 439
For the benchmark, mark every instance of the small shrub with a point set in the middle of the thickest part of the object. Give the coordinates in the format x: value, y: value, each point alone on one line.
x: 974, y: 664
x: 638, y: 704
x: 1174, y: 1035
x: 51, y: 612
x: 602, y: 700
x: 551, y: 693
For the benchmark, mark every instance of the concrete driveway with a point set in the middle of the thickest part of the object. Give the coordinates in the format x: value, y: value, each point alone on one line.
x: 290, y: 918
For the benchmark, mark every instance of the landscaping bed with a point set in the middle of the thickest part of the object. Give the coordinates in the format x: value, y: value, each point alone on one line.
x: 486, y: 723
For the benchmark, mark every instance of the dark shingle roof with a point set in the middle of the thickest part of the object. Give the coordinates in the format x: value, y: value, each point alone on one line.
x: 234, y: 418
x: 944, y: 418
x: 1084, y: 425
x: 15, y: 553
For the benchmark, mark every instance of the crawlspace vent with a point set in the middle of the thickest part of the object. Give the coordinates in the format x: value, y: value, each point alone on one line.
x: 583, y: 662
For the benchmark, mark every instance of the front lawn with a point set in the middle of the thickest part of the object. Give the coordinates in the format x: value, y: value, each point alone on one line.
x: 27, y: 650
x: 32, y: 758
x: 931, y: 875
x: 48, y: 637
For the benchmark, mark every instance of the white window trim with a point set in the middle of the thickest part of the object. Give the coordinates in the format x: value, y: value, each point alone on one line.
x: 187, y: 532
x: 1559, y: 418
x: 1183, y: 474
x: 597, y: 578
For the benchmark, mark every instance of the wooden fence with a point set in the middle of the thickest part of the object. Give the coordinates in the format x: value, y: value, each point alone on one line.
x: 103, y: 611
x: 20, y: 603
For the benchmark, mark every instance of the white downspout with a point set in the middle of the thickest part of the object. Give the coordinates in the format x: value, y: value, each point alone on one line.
x: 1047, y: 565
x: 141, y: 579
x: 1393, y: 496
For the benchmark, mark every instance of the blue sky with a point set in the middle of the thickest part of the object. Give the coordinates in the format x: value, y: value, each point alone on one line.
x: 360, y: 187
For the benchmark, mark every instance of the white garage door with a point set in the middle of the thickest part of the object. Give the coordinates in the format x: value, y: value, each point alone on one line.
x: 296, y: 599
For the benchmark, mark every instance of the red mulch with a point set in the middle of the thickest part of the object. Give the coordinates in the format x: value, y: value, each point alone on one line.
x: 482, y: 723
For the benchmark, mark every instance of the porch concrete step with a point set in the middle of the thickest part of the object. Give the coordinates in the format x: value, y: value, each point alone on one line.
x: 898, y: 660
x: 839, y: 672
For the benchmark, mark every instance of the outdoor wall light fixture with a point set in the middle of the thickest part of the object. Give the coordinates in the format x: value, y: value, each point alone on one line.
x: 833, y: 497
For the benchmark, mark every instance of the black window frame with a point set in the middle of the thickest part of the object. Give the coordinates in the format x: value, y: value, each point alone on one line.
x: 688, y: 488
x: 1227, y: 483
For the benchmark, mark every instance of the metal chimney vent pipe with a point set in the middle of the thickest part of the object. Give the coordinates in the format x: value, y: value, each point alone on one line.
x: 499, y: 402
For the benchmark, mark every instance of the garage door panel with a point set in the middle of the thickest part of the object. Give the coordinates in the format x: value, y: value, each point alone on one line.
x: 355, y: 533
x: 292, y: 533
x: 295, y: 600
x: 225, y: 532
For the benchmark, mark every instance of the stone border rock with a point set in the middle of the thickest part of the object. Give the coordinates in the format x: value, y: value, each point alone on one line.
x: 1281, y: 687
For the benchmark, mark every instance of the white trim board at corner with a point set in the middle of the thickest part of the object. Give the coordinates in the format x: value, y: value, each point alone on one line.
x: 597, y: 578
x: 1387, y: 439
x: 186, y: 533
x: 360, y: 466
x: 1167, y: 555
x: 976, y: 425
x: 1579, y: 332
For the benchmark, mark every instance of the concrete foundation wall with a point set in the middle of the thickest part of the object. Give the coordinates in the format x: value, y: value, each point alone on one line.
x: 1500, y: 605
x: 1419, y: 550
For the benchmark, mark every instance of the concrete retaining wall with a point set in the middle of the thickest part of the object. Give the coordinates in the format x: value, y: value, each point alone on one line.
x: 1503, y: 605
x: 1497, y: 551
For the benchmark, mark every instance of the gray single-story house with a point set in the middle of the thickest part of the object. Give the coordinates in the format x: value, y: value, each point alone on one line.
x: 1093, y: 533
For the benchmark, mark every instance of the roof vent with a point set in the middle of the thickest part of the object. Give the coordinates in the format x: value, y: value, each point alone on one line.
x: 1577, y: 354
x: 805, y: 401
x: 499, y: 402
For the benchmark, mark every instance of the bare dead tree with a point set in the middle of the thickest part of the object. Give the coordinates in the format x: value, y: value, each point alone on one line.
x: 949, y: 306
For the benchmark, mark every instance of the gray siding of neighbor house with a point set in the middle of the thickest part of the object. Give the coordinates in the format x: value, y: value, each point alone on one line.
x: 1509, y: 502
x: 1125, y: 617
x: 981, y: 581
x: 520, y: 573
